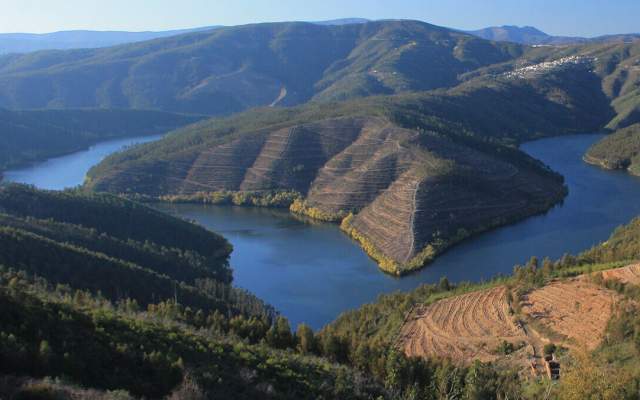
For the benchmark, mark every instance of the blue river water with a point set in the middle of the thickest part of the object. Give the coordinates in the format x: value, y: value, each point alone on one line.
x: 311, y: 272
x: 69, y: 170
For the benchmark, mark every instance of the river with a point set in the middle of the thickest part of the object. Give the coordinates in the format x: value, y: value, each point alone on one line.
x: 311, y: 272
x: 69, y: 170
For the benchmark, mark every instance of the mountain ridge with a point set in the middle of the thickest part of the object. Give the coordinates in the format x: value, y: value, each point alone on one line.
x: 530, y: 35
x: 234, y: 68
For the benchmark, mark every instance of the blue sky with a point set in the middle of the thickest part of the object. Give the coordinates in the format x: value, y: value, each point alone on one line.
x: 559, y: 17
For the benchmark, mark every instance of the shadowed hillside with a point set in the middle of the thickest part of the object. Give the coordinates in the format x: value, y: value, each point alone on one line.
x: 620, y: 150
x: 29, y: 136
x: 118, y: 249
x: 132, y: 303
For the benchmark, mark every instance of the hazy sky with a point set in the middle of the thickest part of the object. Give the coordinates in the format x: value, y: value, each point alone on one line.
x: 559, y: 17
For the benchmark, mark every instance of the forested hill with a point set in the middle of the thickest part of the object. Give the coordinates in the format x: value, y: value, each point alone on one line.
x: 120, y: 249
x: 383, y: 159
x: 620, y: 150
x: 28, y: 136
x: 234, y: 68
x: 123, y: 302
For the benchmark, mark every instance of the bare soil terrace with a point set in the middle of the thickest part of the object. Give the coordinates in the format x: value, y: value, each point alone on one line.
x: 572, y: 313
x: 576, y: 309
x: 463, y: 328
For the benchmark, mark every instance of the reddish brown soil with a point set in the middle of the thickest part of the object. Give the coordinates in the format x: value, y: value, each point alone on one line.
x: 629, y: 274
x: 576, y: 309
x: 463, y: 328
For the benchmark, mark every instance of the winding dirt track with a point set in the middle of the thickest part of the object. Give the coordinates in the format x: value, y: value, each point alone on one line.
x: 463, y: 328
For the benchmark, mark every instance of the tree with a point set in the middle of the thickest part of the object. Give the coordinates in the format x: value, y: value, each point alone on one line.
x: 549, y: 348
x: 306, y: 340
x: 45, y: 354
x: 188, y: 390
x: 532, y: 264
x: 279, y: 335
x: 444, y: 284
x: 547, y: 266
x: 584, y: 378
x: 480, y: 382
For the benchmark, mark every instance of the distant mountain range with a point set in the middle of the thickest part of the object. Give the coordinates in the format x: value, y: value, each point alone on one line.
x: 84, y: 39
x: 28, y: 42
x: 533, y: 36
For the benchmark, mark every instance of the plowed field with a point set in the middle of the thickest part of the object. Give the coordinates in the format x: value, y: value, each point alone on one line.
x: 575, y: 308
x: 463, y: 328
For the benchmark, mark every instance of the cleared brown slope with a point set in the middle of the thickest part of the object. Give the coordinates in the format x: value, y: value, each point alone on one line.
x: 573, y: 313
x: 576, y: 309
x: 463, y: 328
x: 629, y: 274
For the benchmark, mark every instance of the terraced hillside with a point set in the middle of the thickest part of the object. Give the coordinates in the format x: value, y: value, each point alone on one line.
x: 466, y: 327
x: 629, y: 274
x: 495, y: 325
x: 576, y: 309
x: 412, y: 193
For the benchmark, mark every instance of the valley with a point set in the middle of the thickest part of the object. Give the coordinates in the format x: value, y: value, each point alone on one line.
x: 348, y: 209
x: 310, y: 286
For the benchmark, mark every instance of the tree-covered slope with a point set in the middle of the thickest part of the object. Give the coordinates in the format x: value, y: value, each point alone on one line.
x: 619, y: 150
x: 27, y: 136
x: 50, y: 331
x: 234, y: 68
x: 120, y: 249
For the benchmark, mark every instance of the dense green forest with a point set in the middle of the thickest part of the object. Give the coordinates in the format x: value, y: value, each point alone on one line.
x: 619, y: 150
x: 104, y: 244
x: 56, y: 332
x: 28, y: 136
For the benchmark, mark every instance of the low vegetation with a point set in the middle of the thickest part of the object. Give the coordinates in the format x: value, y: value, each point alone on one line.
x: 276, y: 199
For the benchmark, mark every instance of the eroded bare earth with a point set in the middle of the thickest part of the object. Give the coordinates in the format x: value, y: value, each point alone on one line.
x: 577, y: 309
x: 463, y: 328
x: 629, y: 274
